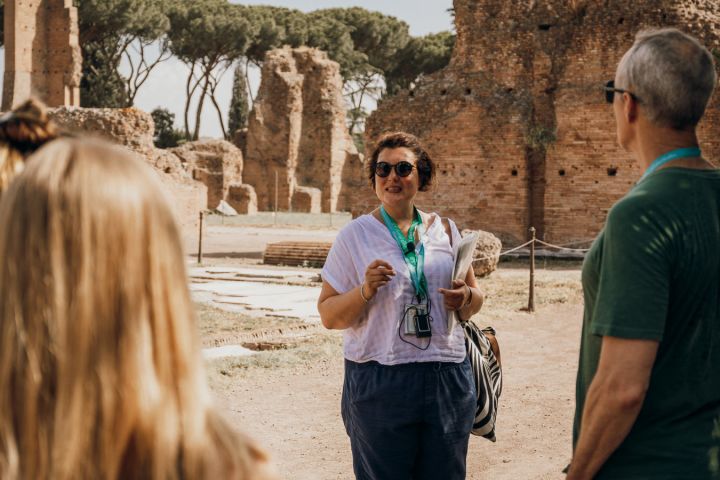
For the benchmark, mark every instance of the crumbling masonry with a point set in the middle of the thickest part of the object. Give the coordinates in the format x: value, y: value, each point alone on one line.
x: 297, y: 129
x: 197, y: 175
x: 517, y: 122
x: 42, y: 53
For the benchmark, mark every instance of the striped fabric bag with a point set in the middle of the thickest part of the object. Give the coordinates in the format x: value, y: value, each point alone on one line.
x: 488, y: 379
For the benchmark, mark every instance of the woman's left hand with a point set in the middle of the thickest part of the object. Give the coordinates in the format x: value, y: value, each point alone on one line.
x: 457, y: 297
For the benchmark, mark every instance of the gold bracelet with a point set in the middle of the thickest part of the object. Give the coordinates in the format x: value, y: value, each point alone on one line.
x: 366, y: 300
x: 469, y: 300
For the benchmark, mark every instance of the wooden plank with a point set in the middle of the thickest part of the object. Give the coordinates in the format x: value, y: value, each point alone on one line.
x: 312, y: 254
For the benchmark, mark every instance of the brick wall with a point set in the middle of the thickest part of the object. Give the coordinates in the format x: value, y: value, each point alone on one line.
x: 517, y: 122
x: 42, y: 53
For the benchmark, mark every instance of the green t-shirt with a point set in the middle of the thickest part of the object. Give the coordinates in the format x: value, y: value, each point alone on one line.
x: 654, y: 273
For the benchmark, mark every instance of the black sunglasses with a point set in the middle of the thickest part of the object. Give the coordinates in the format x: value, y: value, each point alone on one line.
x: 402, y: 169
x: 610, y: 92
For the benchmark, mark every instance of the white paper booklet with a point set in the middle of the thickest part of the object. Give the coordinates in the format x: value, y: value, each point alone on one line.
x: 463, y: 261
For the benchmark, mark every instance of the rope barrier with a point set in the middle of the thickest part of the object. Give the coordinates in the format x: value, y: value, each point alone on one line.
x: 531, y: 295
x: 578, y: 242
x: 583, y: 250
x: 488, y: 257
x: 550, y: 245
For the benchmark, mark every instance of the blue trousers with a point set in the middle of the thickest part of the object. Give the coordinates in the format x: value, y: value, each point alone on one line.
x: 409, y: 421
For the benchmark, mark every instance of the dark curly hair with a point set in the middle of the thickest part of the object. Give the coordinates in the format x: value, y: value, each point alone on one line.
x: 27, y: 127
x: 425, y: 166
x: 22, y: 131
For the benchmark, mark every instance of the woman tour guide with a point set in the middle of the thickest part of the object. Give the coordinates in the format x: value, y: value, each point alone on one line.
x: 408, y: 398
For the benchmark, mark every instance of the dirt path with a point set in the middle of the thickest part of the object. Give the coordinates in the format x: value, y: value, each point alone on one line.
x: 294, y: 412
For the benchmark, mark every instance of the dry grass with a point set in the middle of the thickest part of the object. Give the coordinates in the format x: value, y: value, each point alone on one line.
x: 298, y: 354
x: 506, y: 290
x: 214, y: 322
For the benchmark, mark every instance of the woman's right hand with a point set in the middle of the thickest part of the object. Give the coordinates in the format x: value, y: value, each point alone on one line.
x: 377, y: 274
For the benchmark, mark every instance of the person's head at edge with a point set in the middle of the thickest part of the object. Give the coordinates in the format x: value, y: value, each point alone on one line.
x: 22, y: 131
x: 668, y: 78
x: 100, y: 368
x: 395, y: 191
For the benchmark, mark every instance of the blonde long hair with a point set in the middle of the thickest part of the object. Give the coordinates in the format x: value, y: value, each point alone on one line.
x: 22, y: 131
x: 100, y: 368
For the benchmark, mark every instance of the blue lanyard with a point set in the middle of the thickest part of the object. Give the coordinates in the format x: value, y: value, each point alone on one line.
x: 414, y: 256
x: 669, y: 156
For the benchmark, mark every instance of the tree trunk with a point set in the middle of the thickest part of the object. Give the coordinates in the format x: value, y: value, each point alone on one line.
x: 188, y: 96
x: 247, y: 83
x: 136, y: 80
x: 217, y: 108
x: 201, y: 102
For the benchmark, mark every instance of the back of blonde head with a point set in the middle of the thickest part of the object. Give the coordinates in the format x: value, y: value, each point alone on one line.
x: 100, y: 372
x: 22, y: 131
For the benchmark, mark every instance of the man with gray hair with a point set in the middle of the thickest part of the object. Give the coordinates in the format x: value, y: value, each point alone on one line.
x: 648, y: 383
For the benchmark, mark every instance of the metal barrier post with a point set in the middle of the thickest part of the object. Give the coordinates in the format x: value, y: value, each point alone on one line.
x: 531, y: 297
x: 276, y: 198
x: 200, y: 236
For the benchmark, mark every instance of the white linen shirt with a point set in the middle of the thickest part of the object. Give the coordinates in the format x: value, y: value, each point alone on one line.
x: 375, y: 335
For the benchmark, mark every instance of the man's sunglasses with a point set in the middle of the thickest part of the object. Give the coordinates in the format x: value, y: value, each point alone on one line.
x: 610, y: 92
x: 402, y: 169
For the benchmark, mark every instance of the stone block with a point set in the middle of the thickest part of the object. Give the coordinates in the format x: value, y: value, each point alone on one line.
x: 243, y: 199
x: 224, y: 208
x: 306, y: 200
x: 216, y: 163
x: 487, y: 253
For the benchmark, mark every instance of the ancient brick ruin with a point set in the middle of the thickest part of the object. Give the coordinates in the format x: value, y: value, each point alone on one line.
x: 42, y: 54
x: 517, y: 122
x: 216, y: 163
x: 196, y: 175
x: 297, y: 129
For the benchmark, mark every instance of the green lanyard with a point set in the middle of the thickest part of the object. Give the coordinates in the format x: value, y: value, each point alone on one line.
x: 669, y: 157
x: 414, y: 256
